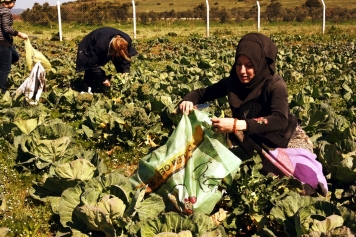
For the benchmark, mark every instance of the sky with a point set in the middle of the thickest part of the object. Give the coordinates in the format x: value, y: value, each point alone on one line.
x: 24, y: 4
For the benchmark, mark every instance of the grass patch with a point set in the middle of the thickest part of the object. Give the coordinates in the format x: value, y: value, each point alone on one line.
x: 184, y: 28
x: 17, y: 210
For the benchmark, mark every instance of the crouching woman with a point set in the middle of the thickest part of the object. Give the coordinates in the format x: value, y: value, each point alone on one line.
x: 261, y: 120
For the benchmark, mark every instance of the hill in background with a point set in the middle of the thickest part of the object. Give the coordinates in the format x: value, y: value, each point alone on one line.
x: 17, y: 11
x: 183, y: 5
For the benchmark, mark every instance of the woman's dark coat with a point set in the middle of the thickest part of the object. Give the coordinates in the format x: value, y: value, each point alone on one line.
x: 269, y: 122
x: 93, y: 52
x: 262, y: 102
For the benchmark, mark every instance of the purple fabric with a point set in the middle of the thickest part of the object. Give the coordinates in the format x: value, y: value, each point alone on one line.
x: 299, y: 162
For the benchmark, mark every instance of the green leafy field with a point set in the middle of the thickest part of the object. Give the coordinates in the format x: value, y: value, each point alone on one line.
x: 73, y: 153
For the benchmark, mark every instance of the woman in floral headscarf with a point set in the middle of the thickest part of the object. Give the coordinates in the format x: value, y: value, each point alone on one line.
x: 261, y: 120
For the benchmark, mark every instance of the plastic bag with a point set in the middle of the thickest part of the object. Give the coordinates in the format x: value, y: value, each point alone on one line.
x: 33, y: 86
x: 189, y: 168
x: 33, y: 56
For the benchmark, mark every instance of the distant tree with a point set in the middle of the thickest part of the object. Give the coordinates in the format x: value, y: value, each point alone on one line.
x: 274, y: 11
x: 214, y: 13
x: 312, y: 3
x: 339, y: 14
x: 153, y: 15
x: 301, y: 13
x: 41, y: 15
x: 225, y: 15
x: 289, y: 15
x: 200, y: 11
x: 237, y: 14
x: 121, y: 12
x: 144, y: 18
x: 252, y: 13
x: 50, y: 12
x: 172, y: 14
x: 316, y: 14
x: 188, y: 14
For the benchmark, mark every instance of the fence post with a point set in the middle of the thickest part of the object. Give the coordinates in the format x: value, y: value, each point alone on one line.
x: 134, y: 17
x: 258, y: 16
x: 207, y: 18
x: 59, y: 20
x: 322, y: 1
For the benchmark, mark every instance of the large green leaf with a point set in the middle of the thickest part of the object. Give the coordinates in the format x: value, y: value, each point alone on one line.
x: 70, y: 199
x: 285, y: 210
x: 88, y: 193
x: 51, y: 187
x: 50, y: 151
x: 99, y: 217
x: 328, y: 224
x: 79, y: 169
x: 150, y: 207
x: 27, y: 126
x: 349, y: 218
x: 172, y: 222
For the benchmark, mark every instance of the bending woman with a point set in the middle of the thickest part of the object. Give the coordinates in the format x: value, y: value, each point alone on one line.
x: 98, y: 48
x: 261, y: 120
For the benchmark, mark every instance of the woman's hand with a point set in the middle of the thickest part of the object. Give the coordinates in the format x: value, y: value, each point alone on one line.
x: 22, y: 35
x: 186, y: 107
x: 107, y: 83
x: 226, y: 125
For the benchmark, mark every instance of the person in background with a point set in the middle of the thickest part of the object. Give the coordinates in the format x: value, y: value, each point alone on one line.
x: 98, y: 48
x: 261, y: 120
x: 8, y: 54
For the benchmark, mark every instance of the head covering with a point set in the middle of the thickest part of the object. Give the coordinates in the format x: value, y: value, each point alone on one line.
x: 262, y: 52
x: 8, y: 1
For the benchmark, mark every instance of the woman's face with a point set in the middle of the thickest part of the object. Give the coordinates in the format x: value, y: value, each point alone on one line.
x: 10, y: 5
x: 244, y: 69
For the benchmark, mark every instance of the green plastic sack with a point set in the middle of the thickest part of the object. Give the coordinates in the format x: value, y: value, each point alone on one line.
x: 189, y: 168
x: 33, y: 56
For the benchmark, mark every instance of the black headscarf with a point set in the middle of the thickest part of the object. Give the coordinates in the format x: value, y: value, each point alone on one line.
x: 262, y: 52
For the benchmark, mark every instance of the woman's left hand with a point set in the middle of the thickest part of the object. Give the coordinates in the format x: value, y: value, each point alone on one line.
x: 226, y: 125
x: 222, y: 125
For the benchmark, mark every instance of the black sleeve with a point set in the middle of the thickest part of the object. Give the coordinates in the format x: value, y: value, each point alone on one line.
x: 277, y: 119
x: 94, y: 67
x: 209, y: 93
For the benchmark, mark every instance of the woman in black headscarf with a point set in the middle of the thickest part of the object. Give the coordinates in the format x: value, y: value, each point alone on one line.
x: 257, y: 96
x: 261, y: 120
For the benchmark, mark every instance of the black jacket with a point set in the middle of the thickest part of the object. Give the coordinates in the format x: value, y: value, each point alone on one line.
x: 268, y: 119
x: 94, y: 47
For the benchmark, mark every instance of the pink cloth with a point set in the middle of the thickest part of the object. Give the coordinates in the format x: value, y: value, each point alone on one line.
x: 297, y: 162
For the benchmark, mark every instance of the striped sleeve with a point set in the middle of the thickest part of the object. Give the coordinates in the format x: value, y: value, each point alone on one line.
x: 6, y: 23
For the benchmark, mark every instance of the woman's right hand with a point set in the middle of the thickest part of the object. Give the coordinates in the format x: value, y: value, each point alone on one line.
x: 22, y: 35
x: 107, y: 83
x: 186, y: 107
